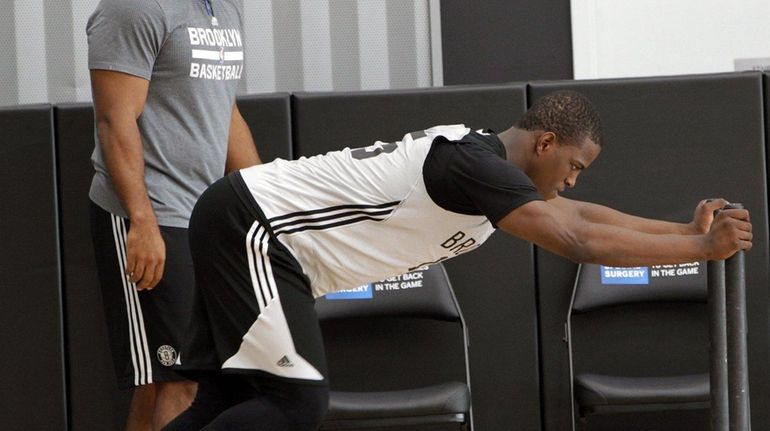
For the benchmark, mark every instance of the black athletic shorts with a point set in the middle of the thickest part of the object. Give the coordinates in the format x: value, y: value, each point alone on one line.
x: 145, y: 327
x: 253, y: 311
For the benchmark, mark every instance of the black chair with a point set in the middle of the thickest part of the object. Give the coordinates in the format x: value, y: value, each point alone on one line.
x: 646, y: 333
x: 397, y: 354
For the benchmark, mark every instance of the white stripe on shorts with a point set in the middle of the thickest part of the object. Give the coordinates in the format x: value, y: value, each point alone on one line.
x: 252, y: 255
x: 140, y: 352
x: 259, y: 265
x: 268, y: 345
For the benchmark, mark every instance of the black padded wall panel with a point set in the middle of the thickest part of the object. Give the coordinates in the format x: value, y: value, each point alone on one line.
x: 670, y: 142
x: 326, y: 121
x: 494, y: 285
x: 95, y: 400
x: 269, y: 118
x: 32, y: 383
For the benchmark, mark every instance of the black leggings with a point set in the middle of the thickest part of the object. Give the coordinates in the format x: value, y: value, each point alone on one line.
x: 241, y: 403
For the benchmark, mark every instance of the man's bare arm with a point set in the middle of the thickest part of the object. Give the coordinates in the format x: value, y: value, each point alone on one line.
x: 568, y: 234
x: 118, y: 102
x: 241, y: 150
x: 702, y: 217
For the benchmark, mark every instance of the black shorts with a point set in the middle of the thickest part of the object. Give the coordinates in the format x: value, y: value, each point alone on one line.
x: 145, y: 327
x: 254, y: 312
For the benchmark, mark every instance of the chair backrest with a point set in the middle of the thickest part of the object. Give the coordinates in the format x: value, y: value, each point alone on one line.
x: 638, y: 322
x: 639, y: 314
x: 423, y: 293
x: 399, y: 333
x: 598, y: 286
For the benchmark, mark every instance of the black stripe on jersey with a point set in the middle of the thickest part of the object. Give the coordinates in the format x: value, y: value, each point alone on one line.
x: 331, y: 209
x: 331, y: 225
x: 278, y: 228
x: 345, y: 214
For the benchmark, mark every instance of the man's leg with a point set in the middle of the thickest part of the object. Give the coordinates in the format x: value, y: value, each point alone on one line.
x: 171, y: 399
x: 155, y: 405
x: 257, y: 291
x: 276, y: 406
x: 241, y: 403
x: 167, y: 309
x: 140, y: 411
x: 216, y: 393
x: 145, y: 327
x: 131, y: 355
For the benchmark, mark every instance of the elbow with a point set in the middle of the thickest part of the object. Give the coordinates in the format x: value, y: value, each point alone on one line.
x: 110, y: 126
x: 578, y: 247
x: 580, y: 253
x: 105, y: 122
x: 109, y: 119
x: 103, y: 127
x: 108, y: 135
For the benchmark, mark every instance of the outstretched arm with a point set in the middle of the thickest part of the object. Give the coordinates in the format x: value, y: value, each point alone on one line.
x: 564, y: 230
x: 702, y: 217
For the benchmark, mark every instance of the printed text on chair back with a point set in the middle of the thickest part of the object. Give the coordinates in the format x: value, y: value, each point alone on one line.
x: 422, y: 293
x: 601, y: 286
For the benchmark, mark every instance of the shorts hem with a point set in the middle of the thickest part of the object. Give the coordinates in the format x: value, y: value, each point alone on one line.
x: 170, y: 376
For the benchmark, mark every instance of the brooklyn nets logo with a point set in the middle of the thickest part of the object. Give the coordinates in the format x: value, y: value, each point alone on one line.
x: 166, y: 355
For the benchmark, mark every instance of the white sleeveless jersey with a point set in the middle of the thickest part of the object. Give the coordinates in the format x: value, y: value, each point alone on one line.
x: 355, y: 216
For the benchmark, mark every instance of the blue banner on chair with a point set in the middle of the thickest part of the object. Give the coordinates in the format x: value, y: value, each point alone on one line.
x: 616, y: 275
x: 360, y: 292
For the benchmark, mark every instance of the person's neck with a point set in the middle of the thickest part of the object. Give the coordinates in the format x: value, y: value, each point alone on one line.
x: 517, y: 143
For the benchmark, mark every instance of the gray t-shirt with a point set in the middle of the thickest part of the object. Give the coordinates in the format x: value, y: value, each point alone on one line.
x: 193, y: 61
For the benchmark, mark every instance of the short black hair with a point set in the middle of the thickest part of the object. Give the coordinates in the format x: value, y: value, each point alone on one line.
x: 568, y: 114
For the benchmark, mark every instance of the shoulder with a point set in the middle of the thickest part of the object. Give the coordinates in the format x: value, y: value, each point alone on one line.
x: 479, y: 154
x: 127, y: 13
x: 233, y: 5
x: 466, y: 140
x: 485, y: 141
x: 130, y: 8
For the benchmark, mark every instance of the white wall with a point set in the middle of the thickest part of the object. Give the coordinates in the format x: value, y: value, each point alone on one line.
x: 619, y: 38
x: 291, y: 45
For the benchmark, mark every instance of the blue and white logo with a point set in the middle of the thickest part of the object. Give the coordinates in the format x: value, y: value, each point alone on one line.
x: 617, y: 275
x: 360, y: 292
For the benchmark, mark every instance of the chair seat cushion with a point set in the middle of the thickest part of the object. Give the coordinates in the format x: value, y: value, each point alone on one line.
x: 447, y: 398
x: 601, y: 390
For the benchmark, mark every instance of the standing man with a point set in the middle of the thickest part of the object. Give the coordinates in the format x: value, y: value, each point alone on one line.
x: 164, y: 75
x: 268, y: 239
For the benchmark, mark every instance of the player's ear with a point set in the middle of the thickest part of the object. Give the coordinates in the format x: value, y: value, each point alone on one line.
x: 545, y: 142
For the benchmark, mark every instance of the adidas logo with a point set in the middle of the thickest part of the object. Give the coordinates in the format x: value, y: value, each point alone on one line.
x: 284, y: 362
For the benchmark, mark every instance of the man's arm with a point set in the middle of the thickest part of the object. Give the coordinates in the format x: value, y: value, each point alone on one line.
x: 118, y: 102
x: 569, y: 234
x: 241, y: 150
x: 702, y: 217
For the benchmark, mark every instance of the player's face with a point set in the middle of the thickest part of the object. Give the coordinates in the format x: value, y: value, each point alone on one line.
x: 559, y: 165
